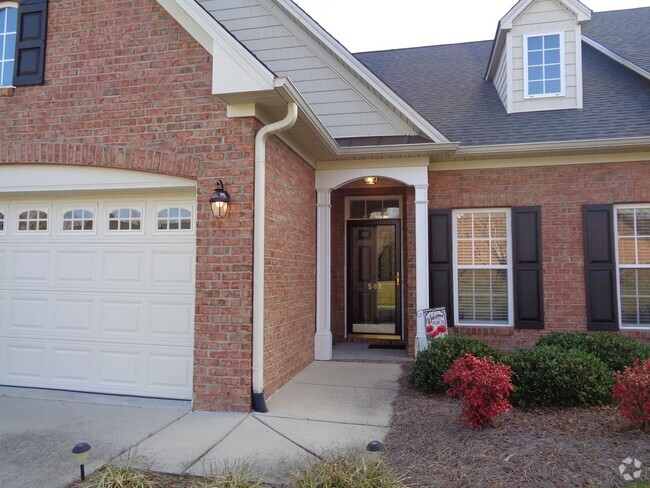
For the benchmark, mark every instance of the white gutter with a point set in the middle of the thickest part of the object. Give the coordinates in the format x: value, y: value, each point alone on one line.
x: 259, y: 405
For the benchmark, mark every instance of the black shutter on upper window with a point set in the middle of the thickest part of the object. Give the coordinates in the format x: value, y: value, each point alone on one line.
x: 440, y: 262
x: 29, y: 63
x: 600, y: 267
x: 527, y: 267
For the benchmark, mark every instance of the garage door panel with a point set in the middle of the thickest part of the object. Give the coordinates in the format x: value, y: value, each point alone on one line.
x: 29, y: 313
x: 72, y: 367
x: 99, y: 311
x: 73, y: 315
x: 121, y: 317
x: 3, y: 267
x: 172, y: 268
x: 26, y: 362
x: 122, y: 267
x: 75, y: 266
x: 30, y: 266
x: 172, y: 319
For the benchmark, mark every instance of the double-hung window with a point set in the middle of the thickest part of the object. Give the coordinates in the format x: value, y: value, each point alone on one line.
x: 632, y: 224
x: 544, y: 65
x: 482, y: 265
x: 8, y: 22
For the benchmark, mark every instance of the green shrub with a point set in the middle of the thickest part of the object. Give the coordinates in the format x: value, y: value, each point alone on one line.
x: 616, y: 351
x: 552, y: 376
x: 432, y: 363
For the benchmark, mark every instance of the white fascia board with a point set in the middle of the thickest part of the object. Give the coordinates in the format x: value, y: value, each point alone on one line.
x: 496, y: 53
x: 355, y: 66
x: 578, y: 9
x: 619, y: 59
x: 629, y: 142
x: 234, y: 68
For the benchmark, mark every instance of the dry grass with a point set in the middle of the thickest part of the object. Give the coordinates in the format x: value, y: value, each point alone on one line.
x: 539, y: 448
x: 347, y: 473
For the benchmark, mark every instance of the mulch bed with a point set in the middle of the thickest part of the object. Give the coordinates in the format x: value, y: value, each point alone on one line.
x: 429, y: 445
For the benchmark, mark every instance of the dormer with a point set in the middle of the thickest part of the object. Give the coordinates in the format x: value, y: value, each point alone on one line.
x: 536, y: 58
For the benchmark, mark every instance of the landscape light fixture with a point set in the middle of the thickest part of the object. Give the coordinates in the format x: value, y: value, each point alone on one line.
x: 370, y: 180
x: 80, y: 452
x: 220, y: 201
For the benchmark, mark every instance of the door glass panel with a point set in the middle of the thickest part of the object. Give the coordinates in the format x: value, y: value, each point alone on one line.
x: 373, y: 288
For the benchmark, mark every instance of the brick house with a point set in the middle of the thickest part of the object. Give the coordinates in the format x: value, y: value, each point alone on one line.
x: 506, y: 180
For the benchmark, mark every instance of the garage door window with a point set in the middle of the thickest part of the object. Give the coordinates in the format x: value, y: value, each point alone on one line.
x: 175, y: 218
x: 3, y: 213
x: 78, y: 220
x: 33, y: 220
x: 126, y: 219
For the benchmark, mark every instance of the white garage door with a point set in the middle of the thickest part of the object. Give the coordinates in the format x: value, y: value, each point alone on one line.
x: 97, y: 292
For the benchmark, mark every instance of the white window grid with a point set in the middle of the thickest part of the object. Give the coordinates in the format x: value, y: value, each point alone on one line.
x: 506, y: 267
x: 637, y: 265
x: 7, y: 43
x: 174, y: 218
x: 544, y: 66
x: 382, y: 209
x: 78, y: 219
x: 33, y: 219
x: 125, y: 218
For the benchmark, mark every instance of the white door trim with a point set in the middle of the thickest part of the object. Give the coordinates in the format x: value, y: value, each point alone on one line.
x: 331, y: 179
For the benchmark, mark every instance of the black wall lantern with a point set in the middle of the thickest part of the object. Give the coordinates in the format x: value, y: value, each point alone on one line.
x: 220, y: 201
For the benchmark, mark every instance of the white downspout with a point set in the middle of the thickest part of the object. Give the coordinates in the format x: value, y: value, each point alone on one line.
x: 259, y: 405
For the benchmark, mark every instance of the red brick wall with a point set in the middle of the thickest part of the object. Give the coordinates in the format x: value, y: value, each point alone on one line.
x: 127, y: 87
x: 561, y: 191
x: 290, y: 266
x: 339, y: 251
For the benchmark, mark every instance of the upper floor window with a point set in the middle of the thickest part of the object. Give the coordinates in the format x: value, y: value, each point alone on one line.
x: 544, y: 65
x: 8, y: 19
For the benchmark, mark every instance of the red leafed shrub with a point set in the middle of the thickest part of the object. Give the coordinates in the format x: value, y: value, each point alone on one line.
x: 632, y: 391
x: 483, y: 386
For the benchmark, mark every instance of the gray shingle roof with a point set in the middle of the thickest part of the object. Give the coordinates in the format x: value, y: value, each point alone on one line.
x: 624, y: 32
x: 445, y: 85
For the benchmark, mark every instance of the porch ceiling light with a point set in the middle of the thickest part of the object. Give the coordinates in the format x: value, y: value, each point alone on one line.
x: 80, y: 452
x: 370, y: 180
x: 220, y: 201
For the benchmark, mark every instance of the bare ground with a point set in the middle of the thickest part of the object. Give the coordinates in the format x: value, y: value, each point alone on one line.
x: 429, y: 445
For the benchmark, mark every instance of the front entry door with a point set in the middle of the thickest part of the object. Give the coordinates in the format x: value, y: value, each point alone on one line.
x: 374, y: 279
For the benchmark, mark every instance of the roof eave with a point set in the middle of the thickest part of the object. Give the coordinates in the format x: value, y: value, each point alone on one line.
x: 367, y: 76
x: 541, y: 147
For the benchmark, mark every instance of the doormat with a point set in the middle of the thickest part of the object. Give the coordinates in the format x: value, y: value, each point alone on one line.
x: 386, y: 346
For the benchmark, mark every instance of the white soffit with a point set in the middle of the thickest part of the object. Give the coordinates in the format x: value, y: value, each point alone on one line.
x: 30, y: 178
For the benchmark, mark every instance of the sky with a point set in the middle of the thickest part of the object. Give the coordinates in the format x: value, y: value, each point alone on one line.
x: 370, y: 25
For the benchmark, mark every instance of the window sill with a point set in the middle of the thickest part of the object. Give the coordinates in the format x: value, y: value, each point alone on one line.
x: 7, y: 91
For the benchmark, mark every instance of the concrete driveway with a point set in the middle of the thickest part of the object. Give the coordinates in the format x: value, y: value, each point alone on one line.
x: 329, y: 409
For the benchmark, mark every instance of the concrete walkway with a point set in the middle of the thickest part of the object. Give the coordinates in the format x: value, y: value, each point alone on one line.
x: 330, y: 409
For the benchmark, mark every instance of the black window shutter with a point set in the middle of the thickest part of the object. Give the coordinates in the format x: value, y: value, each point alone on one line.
x: 29, y: 66
x: 441, y: 267
x: 600, y: 267
x: 527, y: 267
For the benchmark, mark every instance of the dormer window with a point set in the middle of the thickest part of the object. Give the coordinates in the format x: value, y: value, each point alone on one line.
x: 544, y: 65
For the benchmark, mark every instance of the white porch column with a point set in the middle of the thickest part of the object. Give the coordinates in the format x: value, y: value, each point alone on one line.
x: 421, y: 259
x: 323, y: 338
